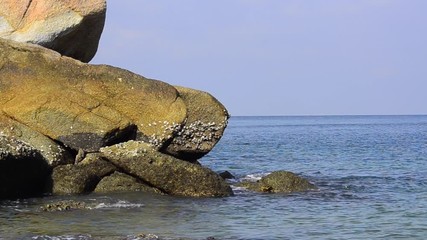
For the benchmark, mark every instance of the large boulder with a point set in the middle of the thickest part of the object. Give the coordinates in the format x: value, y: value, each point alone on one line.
x: 58, y: 106
x: 170, y: 175
x: 70, y: 27
x: 203, y: 128
x: 23, y: 170
x: 81, y: 105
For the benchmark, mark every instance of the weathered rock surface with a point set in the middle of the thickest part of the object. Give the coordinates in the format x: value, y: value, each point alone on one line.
x: 84, y: 106
x: 52, y: 152
x: 70, y: 27
x: 280, y: 182
x: 170, y: 175
x: 80, y: 178
x: 58, y: 106
x: 23, y: 170
x: 206, y: 122
x: 121, y: 182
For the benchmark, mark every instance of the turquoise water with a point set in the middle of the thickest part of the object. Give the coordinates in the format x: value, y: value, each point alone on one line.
x: 371, y: 172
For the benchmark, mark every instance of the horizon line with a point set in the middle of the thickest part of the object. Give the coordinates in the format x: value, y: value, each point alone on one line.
x: 331, y: 115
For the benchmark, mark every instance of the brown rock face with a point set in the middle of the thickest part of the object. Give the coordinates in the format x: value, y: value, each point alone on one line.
x: 66, y: 111
x: 70, y: 27
x: 203, y: 128
x: 84, y: 106
x: 80, y: 178
x: 170, y: 175
x: 121, y: 182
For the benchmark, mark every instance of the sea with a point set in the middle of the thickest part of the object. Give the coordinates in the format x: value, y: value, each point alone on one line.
x: 371, y: 174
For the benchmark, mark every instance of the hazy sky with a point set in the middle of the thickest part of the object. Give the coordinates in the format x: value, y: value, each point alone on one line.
x: 278, y: 57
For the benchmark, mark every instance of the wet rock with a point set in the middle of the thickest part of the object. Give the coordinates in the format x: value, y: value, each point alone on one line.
x: 226, y: 175
x: 80, y: 178
x: 72, y: 28
x: 23, y: 170
x: 121, y: 182
x: 203, y: 128
x: 146, y: 236
x: 60, y: 206
x: 170, y: 175
x: 280, y: 182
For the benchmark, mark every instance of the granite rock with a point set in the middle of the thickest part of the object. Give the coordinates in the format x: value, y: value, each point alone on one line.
x: 170, y: 175
x: 70, y: 27
x: 205, y: 124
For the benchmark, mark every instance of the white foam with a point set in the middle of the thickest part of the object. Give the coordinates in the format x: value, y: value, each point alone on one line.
x: 119, y: 204
x: 254, y: 177
x: 65, y: 237
x: 238, y: 189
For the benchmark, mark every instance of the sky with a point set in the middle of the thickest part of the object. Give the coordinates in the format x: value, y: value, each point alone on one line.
x: 278, y: 57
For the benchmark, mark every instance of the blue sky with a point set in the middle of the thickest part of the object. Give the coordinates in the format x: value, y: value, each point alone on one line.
x: 278, y: 57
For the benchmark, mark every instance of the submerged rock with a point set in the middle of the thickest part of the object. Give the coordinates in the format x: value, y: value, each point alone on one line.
x: 61, y: 206
x: 72, y: 28
x: 170, y: 175
x: 146, y: 236
x: 226, y: 175
x: 280, y: 182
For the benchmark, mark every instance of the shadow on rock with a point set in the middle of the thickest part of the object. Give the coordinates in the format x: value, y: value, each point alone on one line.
x: 23, y: 170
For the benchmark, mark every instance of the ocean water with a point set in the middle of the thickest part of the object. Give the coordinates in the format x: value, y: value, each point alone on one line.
x: 371, y: 172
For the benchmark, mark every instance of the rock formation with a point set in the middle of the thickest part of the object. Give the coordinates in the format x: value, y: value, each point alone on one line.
x: 70, y: 27
x: 84, y: 122
x: 67, y: 127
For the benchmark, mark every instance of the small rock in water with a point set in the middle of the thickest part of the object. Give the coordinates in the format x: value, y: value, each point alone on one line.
x: 63, y: 206
x: 227, y: 175
x: 279, y: 182
x: 143, y: 236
